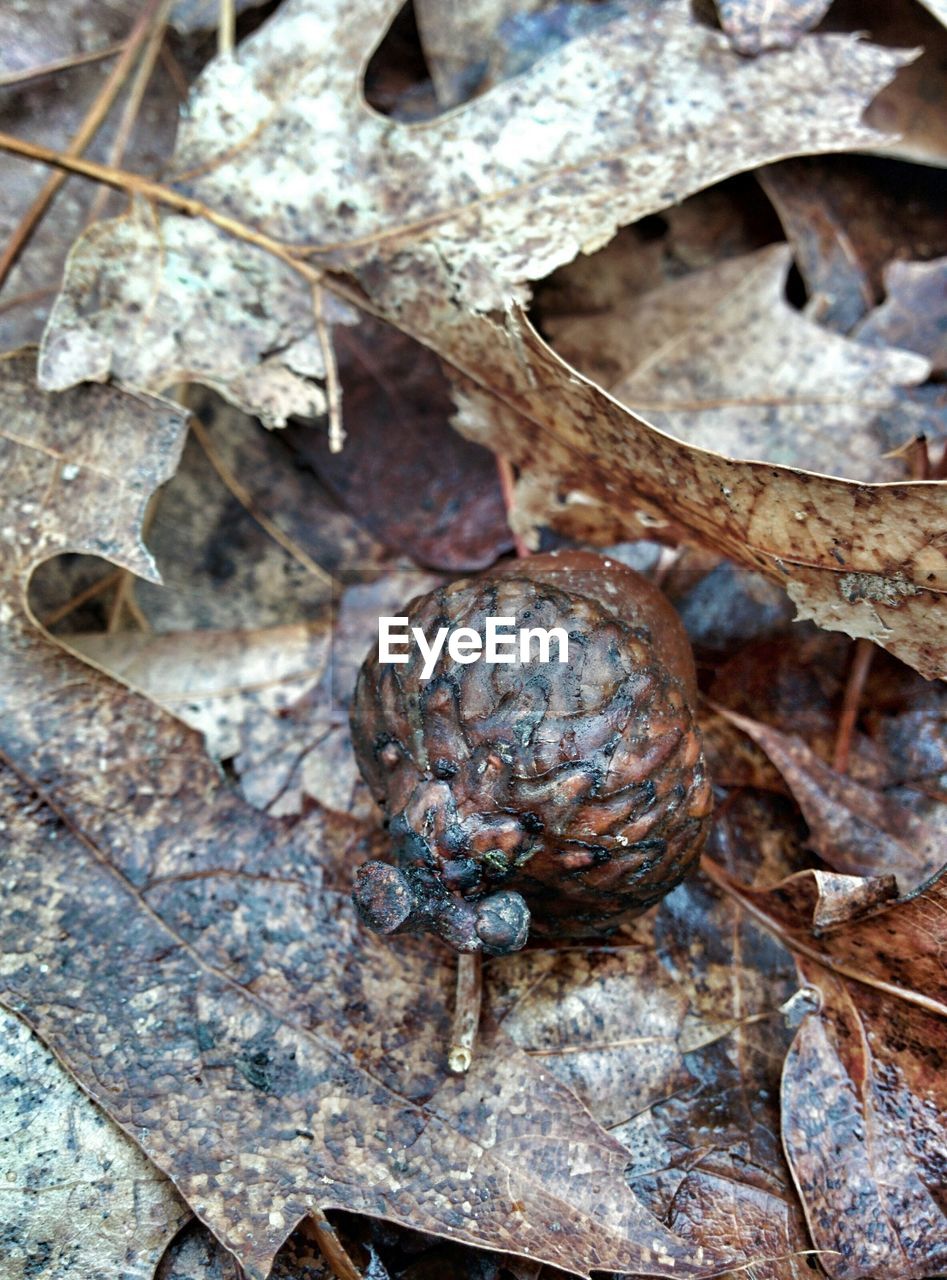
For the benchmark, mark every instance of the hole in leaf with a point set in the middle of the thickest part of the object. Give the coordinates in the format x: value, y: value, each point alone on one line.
x: 397, y: 78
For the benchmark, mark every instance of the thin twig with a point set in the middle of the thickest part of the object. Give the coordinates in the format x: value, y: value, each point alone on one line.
x: 132, y: 107
x: 227, y: 28
x: 17, y: 78
x: 175, y: 72
x: 148, y: 189
x: 243, y: 496
x: 82, y: 597
x: 333, y: 384
x: 508, y: 489
x: 151, y: 13
x: 324, y: 1236
x: 466, y: 1011
x: 862, y: 656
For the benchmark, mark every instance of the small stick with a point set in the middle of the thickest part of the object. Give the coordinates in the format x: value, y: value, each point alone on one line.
x: 129, y: 118
x: 507, y: 484
x: 854, y: 687
x: 466, y: 1011
x: 227, y: 28
x: 324, y: 1236
x: 61, y: 64
x: 333, y: 384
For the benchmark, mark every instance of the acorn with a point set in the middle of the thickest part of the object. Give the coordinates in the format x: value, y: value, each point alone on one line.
x: 533, y: 796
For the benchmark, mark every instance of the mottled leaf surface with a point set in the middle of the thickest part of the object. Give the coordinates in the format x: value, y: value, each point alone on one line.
x: 186, y: 965
x: 876, y: 1048
x: 720, y: 359
x: 78, y: 1200
x: 444, y: 261
x: 855, y: 829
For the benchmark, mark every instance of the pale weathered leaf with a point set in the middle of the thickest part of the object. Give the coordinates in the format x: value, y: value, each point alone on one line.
x: 523, y: 154
x: 596, y: 135
x: 78, y: 1200
x: 914, y: 313
x: 721, y: 360
x: 50, y: 110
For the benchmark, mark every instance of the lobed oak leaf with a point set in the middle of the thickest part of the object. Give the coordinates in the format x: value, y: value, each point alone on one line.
x: 914, y: 313
x: 720, y: 359
x: 444, y: 260
x: 186, y: 964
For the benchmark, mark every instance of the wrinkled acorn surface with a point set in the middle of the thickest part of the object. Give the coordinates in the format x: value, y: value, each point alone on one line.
x: 545, y: 798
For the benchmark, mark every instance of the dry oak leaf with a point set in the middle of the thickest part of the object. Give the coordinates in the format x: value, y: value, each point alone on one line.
x: 720, y: 359
x: 855, y: 829
x: 864, y: 1098
x: 78, y: 1200
x: 600, y: 133
x: 178, y: 953
x: 914, y: 313
x: 846, y: 218
x: 433, y: 218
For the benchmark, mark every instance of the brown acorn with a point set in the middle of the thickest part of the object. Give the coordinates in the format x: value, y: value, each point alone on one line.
x: 534, y: 796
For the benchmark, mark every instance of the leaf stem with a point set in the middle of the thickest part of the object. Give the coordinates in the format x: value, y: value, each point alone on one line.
x: 466, y: 1011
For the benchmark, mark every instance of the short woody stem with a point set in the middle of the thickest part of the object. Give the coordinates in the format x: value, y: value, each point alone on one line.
x: 466, y: 1011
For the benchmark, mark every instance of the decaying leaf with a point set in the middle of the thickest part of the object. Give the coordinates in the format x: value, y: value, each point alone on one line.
x: 721, y: 360
x: 50, y: 110
x: 185, y: 963
x: 856, y: 830
x: 563, y: 143
x: 458, y: 242
x: 876, y: 1048
x: 914, y: 313
x: 846, y: 218
x: 78, y: 1200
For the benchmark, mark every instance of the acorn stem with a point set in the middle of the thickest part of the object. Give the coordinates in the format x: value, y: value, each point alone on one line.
x: 466, y: 1011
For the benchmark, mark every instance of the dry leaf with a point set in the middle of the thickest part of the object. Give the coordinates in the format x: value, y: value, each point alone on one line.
x: 184, y: 964
x: 563, y: 144
x: 721, y: 360
x: 672, y: 1039
x: 458, y: 241
x: 856, y: 830
x: 78, y: 1199
x: 914, y: 313
x: 876, y: 1048
x: 50, y: 110
x: 846, y: 218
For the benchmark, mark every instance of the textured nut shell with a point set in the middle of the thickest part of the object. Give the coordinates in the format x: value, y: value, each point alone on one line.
x: 580, y: 786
